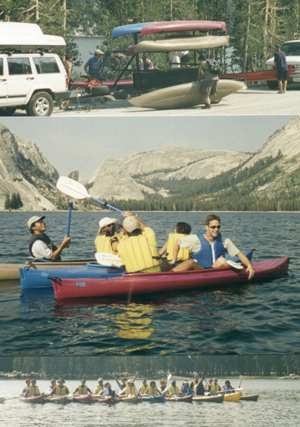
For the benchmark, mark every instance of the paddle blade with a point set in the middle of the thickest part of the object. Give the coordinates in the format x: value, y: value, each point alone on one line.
x: 109, y: 260
x: 169, y: 377
x: 72, y: 188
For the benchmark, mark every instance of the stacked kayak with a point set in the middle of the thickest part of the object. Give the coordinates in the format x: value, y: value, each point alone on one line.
x: 154, y: 399
x: 38, y: 279
x: 32, y: 399
x: 215, y: 399
x: 178, y: 398
x: 143, y: 283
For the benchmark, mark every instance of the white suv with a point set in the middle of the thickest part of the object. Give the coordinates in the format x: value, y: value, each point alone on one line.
x: 292, y: 53
x: 31, y: 81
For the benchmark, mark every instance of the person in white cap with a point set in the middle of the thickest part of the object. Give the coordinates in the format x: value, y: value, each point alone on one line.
x: 40, y: 245
x: 138, y: 249
x: 106, y: 233
x: 99, y: 387
x: 94, y: 65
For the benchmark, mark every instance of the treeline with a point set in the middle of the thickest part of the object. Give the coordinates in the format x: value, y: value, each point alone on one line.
x: 13, y: 201
x: 154, y: 366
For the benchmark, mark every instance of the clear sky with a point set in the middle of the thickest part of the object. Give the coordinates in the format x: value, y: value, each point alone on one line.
x: 77, y: 143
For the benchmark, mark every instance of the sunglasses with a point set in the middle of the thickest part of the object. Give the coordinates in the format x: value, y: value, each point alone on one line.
x: 215, y: 226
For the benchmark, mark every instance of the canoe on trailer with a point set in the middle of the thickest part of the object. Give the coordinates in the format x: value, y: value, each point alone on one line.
x: 83, y: 398
x: 11, y: 271
x: 178, y: 398
x: 154, y: 399
x: 37, y: 279
x: 60, y: 399
x: 32, y: 399
x: 178, y: 26
x: 252, y: 397
x: 171, y: 44
x: 216, y: 399
x: 232, y: 397
x: 143, y: 283
x: 184, y: 96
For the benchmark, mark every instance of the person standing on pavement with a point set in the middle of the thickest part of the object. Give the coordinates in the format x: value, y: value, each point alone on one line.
x: 209, y: 84
x: 94, y: 65
x: 282, y: 68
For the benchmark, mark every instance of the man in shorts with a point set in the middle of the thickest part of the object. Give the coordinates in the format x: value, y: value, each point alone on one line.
x: 94, y: 65
x: 209, y: 84
x: 282, y: 69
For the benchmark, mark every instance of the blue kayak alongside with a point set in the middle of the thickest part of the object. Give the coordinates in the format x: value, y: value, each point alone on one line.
x: 154, y: 399
x: 35, y: 282
x: 125, y: 30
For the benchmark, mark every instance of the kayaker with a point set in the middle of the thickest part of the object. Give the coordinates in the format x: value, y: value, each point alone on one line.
x: 106, y: 233
x: 152, y: 389
x: 60, y: 389
x: 173, y: 389
x: 208, y: 249
x: 182, y: 229
x: 227, y: 388
x: 143, y: 387
x: 195, y: 381
x: 27, y: 381
x: 163, y: 388
x: 40, y: 245
x: 107, y: 391
x: 185, y: 389
x: 199, y: 389
x: 138, y: 249
x: 130, y: 389
x: 122, y: 386
x: 214, y: 387
x: 33, y: 389
x: 51, y: 387
x: 82, y: 388
x: 99, y: 387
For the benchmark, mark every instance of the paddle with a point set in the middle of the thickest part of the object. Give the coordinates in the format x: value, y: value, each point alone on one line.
x: 73, y: 175
x: 78, y: 191
x: 108, y: 260
x: 200, y: 374
x: 241, y: 378
x: 3, y: 399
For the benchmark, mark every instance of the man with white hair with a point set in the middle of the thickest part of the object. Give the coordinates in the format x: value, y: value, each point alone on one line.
x: 103, y: 241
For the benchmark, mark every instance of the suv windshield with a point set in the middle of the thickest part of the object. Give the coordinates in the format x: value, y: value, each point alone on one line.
x: 291, y: 49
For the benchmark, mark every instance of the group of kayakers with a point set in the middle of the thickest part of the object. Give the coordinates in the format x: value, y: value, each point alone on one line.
x: 135, y: 243
x: 127, y: 388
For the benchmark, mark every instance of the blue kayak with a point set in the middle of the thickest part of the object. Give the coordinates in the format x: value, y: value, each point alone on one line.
x: 35, y: 282
x: 125, y: 30
x: 154, y: 399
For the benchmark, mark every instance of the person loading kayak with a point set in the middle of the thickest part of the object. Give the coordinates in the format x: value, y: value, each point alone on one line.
x: 40, y: 245
x: 208, y: 249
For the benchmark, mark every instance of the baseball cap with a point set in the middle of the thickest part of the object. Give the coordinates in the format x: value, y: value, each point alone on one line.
x: 107, y: 221
x: 34, y: 219
x: 98, y: 52
x: 131, y: 223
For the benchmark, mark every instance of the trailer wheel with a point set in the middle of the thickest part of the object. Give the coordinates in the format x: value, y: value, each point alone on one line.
x: 41, y: 104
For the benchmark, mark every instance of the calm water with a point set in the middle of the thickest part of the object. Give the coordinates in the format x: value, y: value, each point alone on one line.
x: 249, y: 319
x: 278, y: 405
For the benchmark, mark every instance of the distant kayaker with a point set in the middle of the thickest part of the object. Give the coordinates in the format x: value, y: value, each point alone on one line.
x: 185, y: 389
x: 138, y: 249
x: 143, y: 387
x: 227, y: 388
x: 208, y: 249
x: 33, y: 389
x: 107, y: 391
x: 173, y: 389
x: 51, y: 387
x: 214, y: 387
x: 82, y: 388
x: 152, y: 389
x: 198, y: 387
x: 60, y: 389
x: 106, y: 235
x: 27, y: 381
x: 40, y: 245
x: 163, y: 388
x: 130, y: 389
x: 182, y: 229
x: 122, y: 386
x: 99, y: 388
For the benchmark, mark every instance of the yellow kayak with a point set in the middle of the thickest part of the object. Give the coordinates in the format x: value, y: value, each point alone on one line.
x: 232, y: 397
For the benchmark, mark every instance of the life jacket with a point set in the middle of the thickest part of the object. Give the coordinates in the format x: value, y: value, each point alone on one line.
x: 229, y: 389
x: 152, y: 391
x: 186, y: 389
x: 103, y: 244
x: 98, y: 389
x: 60, y: 391
x: 183, y: 254
x: 173, y: 390
x: 82, y: 389
x: 143, y: 389
x: 137, y: 254
x: 130, y: 390
x: 33, y: 390
x: 44, y: 238
x: 193, y: 383
x: 204, y: 256
x: 215, y: 387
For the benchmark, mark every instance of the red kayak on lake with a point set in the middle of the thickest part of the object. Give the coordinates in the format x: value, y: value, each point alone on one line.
x: 178, y: 398
x: 143, y: 283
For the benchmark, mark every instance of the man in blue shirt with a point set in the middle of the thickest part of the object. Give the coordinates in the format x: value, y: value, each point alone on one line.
x: 94, y: 65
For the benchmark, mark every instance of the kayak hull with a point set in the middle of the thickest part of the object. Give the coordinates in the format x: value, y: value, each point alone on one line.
x: 154, y: 399
x: 251, y: 397
x: 131, y: 399
x: 83, y: 398
x: 109, y: 400
x: 62, y: 400
x: 32, y: 399
x: 232, y: 397
x: 170, y: 26
x: 176, y: 398
x: 215, y: 399
x: 143, y: 283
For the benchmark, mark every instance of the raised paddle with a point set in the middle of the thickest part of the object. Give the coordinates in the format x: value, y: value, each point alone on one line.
x: 241, y: 378
x: 73, y: 175
x: 199, y: 372
x: 78, y: 191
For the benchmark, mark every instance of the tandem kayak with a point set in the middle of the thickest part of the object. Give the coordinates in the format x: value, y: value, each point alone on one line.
x: 155, y: 398
x: 216, y: 399
x: 34, y: 279
x: 232, y: 397
x: 178, y: 398
x: 143, y: 283
x: 32, y: 399
x: 60, y: 399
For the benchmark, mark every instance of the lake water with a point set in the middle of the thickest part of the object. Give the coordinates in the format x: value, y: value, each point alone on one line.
x: 256, y: 318
x: 278, y: 405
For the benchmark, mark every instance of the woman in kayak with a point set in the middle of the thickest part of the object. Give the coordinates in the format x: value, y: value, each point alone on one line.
x: 173, y: 389
x: 27, y: 381
x: 107, y: 391
x: 130, y: 389
x: 185, y: 389
x: 82, y: 388
x: 122, y: 386
x: 214, y: 387
x: 51, y: 387
x: 143, y: 387
x: 163, y: 388
x: 152, y: 389
x: 99, y: 387
x: 60, y: 389
x: 182, y: 229
x: 33, y: 389
x: 227, y: 388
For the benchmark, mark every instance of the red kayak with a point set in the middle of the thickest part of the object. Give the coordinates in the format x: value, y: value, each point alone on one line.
x: 83, y: 398
x: 143, y: 283
x: 176, y: 398
x: 109, y: 400
x: 170, y: 26
x: 32, y: 399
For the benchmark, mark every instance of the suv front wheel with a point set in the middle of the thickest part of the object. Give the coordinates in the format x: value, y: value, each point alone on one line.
x: 41, y: 104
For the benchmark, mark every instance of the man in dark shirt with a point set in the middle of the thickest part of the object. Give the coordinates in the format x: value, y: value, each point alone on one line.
x: 282, y: 69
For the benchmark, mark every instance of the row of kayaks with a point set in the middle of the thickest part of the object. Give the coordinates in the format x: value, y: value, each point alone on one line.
x: 94, y: 280
x: 90, y: 398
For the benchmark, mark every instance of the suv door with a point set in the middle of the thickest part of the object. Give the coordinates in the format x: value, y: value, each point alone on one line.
x: 3, y: 85
x: 20, y: 80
